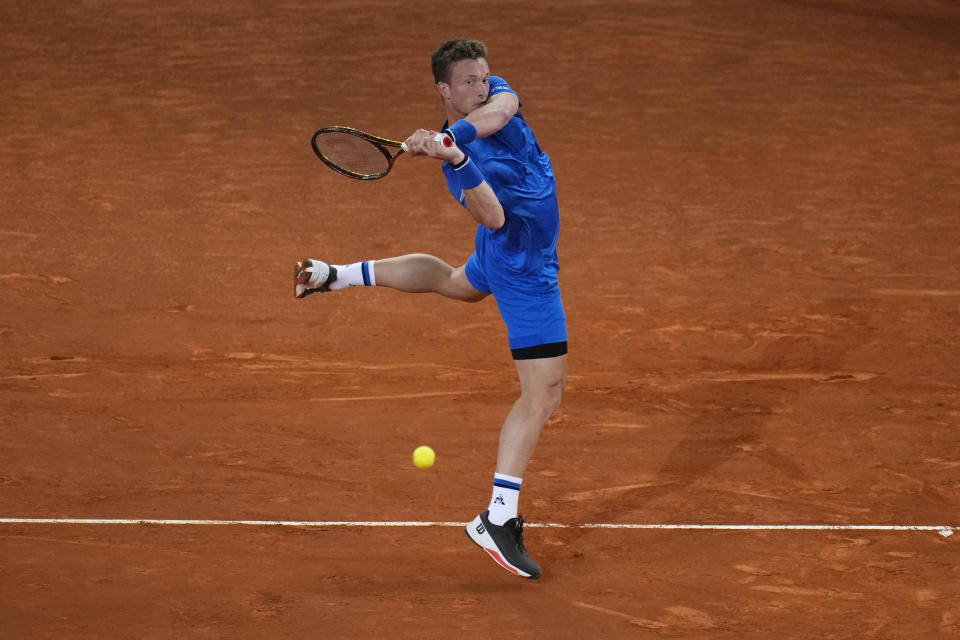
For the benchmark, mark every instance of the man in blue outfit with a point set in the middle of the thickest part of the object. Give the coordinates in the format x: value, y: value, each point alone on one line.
x: 496, y: 170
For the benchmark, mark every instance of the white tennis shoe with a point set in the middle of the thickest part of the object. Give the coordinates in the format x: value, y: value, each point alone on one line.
x: 312, y: 276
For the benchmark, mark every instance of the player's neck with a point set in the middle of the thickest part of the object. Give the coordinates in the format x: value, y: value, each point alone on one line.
x: 453, y: 115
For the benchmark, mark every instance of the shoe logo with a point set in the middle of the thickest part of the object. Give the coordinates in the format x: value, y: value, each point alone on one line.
x: 480, y: 529
x: 499, y: 500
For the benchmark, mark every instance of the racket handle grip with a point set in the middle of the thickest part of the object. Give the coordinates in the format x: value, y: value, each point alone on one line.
x: 446, y: 140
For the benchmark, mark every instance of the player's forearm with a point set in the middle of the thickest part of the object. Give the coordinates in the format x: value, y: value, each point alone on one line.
x: 484, y: 207
x: 478, y: 196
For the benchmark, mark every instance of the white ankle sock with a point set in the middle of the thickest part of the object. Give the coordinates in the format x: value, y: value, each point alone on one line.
x: 354, y: 275
x: 505, y: 498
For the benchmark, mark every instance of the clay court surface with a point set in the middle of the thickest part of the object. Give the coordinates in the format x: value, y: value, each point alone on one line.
x: 760, y: 270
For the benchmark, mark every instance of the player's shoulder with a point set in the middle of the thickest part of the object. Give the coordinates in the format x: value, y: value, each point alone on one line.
x: 499, y: 85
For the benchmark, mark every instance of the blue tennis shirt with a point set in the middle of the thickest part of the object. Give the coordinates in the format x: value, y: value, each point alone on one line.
x: 523, y: 252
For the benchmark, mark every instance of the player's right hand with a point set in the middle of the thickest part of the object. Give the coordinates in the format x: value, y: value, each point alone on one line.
x: 426, y: 142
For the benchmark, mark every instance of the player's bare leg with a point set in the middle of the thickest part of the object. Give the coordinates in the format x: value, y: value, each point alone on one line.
x: 422, y: 273
x: 499, y: 530
x: 411, y: 273
x: 541, y: 388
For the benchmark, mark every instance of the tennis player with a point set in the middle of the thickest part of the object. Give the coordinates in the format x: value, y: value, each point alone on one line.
x: 497, y: 171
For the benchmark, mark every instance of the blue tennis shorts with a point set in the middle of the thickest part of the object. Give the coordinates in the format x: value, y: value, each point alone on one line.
x: 533, y: 312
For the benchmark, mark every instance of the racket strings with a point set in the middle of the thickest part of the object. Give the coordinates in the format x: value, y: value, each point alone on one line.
x: 352, y: 153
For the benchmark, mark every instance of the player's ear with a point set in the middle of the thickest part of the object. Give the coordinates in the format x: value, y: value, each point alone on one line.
x: 444, y: 89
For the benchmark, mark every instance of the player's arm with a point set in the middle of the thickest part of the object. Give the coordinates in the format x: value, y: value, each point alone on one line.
x: 478, y: 196
x: 484, y: 206
x: 494, y: 114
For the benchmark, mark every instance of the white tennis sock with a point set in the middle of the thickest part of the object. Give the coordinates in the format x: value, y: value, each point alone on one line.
x: 354, y: 275
x: 505, y: 498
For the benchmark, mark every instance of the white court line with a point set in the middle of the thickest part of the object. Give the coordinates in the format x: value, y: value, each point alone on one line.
x: 943, y: 530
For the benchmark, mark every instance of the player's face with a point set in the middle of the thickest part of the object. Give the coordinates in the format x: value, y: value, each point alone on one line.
x: 468, y: 87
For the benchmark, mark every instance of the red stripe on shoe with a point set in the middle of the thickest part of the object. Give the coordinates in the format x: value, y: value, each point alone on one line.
x: 499, y: 560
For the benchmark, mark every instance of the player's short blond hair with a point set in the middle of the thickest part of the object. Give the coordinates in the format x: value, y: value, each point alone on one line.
x: 452, y: 51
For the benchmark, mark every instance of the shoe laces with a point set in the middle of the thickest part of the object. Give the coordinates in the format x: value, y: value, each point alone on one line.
x: 518, y: 529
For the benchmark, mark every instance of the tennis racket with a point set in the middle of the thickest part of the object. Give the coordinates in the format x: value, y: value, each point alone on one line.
x: 357, y: 154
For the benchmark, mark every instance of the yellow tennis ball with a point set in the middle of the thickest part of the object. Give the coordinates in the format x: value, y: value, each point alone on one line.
x: 423, y: 457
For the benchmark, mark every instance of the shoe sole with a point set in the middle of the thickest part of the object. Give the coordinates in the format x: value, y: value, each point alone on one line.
x: 301, y: 278
x: 477, y: 533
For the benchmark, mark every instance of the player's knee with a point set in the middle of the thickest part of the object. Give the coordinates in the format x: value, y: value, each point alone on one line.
x: 459, y: 288
x: 555, y: 394
x: 548, y: 399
